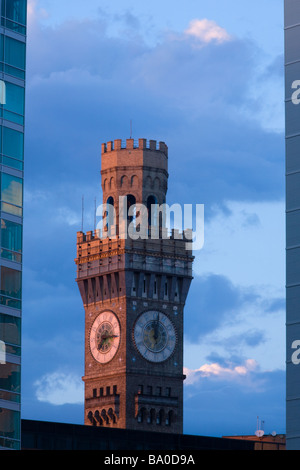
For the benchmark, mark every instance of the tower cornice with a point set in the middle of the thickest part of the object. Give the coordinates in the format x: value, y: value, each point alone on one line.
x: 132, y: 144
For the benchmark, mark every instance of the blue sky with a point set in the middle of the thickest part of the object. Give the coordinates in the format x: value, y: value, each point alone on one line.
x: 207, y: 80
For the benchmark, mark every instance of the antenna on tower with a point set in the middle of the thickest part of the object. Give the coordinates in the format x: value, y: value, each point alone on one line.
x: 95, y: 215
x: 82, y: 211
x: 259, y: 431
x: 130, y: 128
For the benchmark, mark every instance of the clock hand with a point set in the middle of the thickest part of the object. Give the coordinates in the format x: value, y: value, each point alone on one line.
x: 100, y: 343
x: 156, y: 323
x: 104, y: 338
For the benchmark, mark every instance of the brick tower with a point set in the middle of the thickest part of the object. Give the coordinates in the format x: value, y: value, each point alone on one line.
x: 133, y: 291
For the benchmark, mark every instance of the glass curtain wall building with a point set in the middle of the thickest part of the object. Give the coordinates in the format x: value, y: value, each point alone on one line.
x: 292, y: 114
x: 12, y: 105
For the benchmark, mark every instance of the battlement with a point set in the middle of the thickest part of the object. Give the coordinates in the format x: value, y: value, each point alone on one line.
x: 131, y: 144
x: 99, y: 256
x: 165, y: 234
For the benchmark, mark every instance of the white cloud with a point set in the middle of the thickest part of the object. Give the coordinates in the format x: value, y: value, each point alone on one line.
x: 31, y: 6
x: 67, y: 216
x: 59, y: 388
x: 207, y: 31
x: 234, y: 372
x: 35, y: 13
x: 31, y: 196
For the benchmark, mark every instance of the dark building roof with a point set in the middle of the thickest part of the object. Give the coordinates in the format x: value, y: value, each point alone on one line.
x: 43, y: 435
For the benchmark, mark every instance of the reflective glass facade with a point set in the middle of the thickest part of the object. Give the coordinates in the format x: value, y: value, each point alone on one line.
x: 12, y: 106
x: 292, y: 111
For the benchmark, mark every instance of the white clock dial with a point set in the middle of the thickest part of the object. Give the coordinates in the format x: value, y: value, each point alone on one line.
x: 105, y: 337
x: 154, y: 336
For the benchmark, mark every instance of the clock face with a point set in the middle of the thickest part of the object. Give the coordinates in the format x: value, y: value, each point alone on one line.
x: 154, y: 336
x: 105, y: 337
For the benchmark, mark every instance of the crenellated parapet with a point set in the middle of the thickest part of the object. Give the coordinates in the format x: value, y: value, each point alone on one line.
x: 96, y: 255
x: 164, y: 234
x: 130, y: 144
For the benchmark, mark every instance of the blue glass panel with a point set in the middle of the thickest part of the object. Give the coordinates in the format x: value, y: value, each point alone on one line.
x: 11, y: 235
x: 13, y: 143
x: 16, y: 10
x: 11, y: 255
x: 12, y: 102
x: 12, y: 163
x: 13, y: 26
x: 12, y: 117
x: 14, y: 53
x: 1, y: 47
x: 10, y: 302
x: 14, y: 98
x: 11, y: 189
x: 14, y: 72
x: 15, y: 13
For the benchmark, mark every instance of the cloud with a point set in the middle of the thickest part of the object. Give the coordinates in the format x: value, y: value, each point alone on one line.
x: 235, y: 305
x: 67, y: 216
x: 213, y: 300
x: 276, y: 304
x: 227, y: 399
x: 247, y: 331
x: 232, y: 372
x: 78, y: 74
x: 207, y: 31
x: 35, y: 13
x: 252, y: 338
x: 58, y: 388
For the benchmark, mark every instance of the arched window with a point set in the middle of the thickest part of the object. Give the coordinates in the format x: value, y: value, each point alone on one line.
x: 151, y: 416
x: 152, y: 212
x: 159, y: 417
x: 111, y: 415
x: 91, y: 418
x: 169, y: 418
x: 112, y: 182
x: 131, y: 201
x: 148, y: 183
x: 109, y: 214
x: 141, y: 415
x: 104, y: 416
x: 98, y: 417
x: 134, y: 181
x: 156, y: 183
x: 124, y: 181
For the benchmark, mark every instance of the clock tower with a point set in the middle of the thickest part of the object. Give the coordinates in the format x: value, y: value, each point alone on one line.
x: 134, y: 284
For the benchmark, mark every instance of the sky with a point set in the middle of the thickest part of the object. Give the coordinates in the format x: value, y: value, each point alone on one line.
x: 207, y: 79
